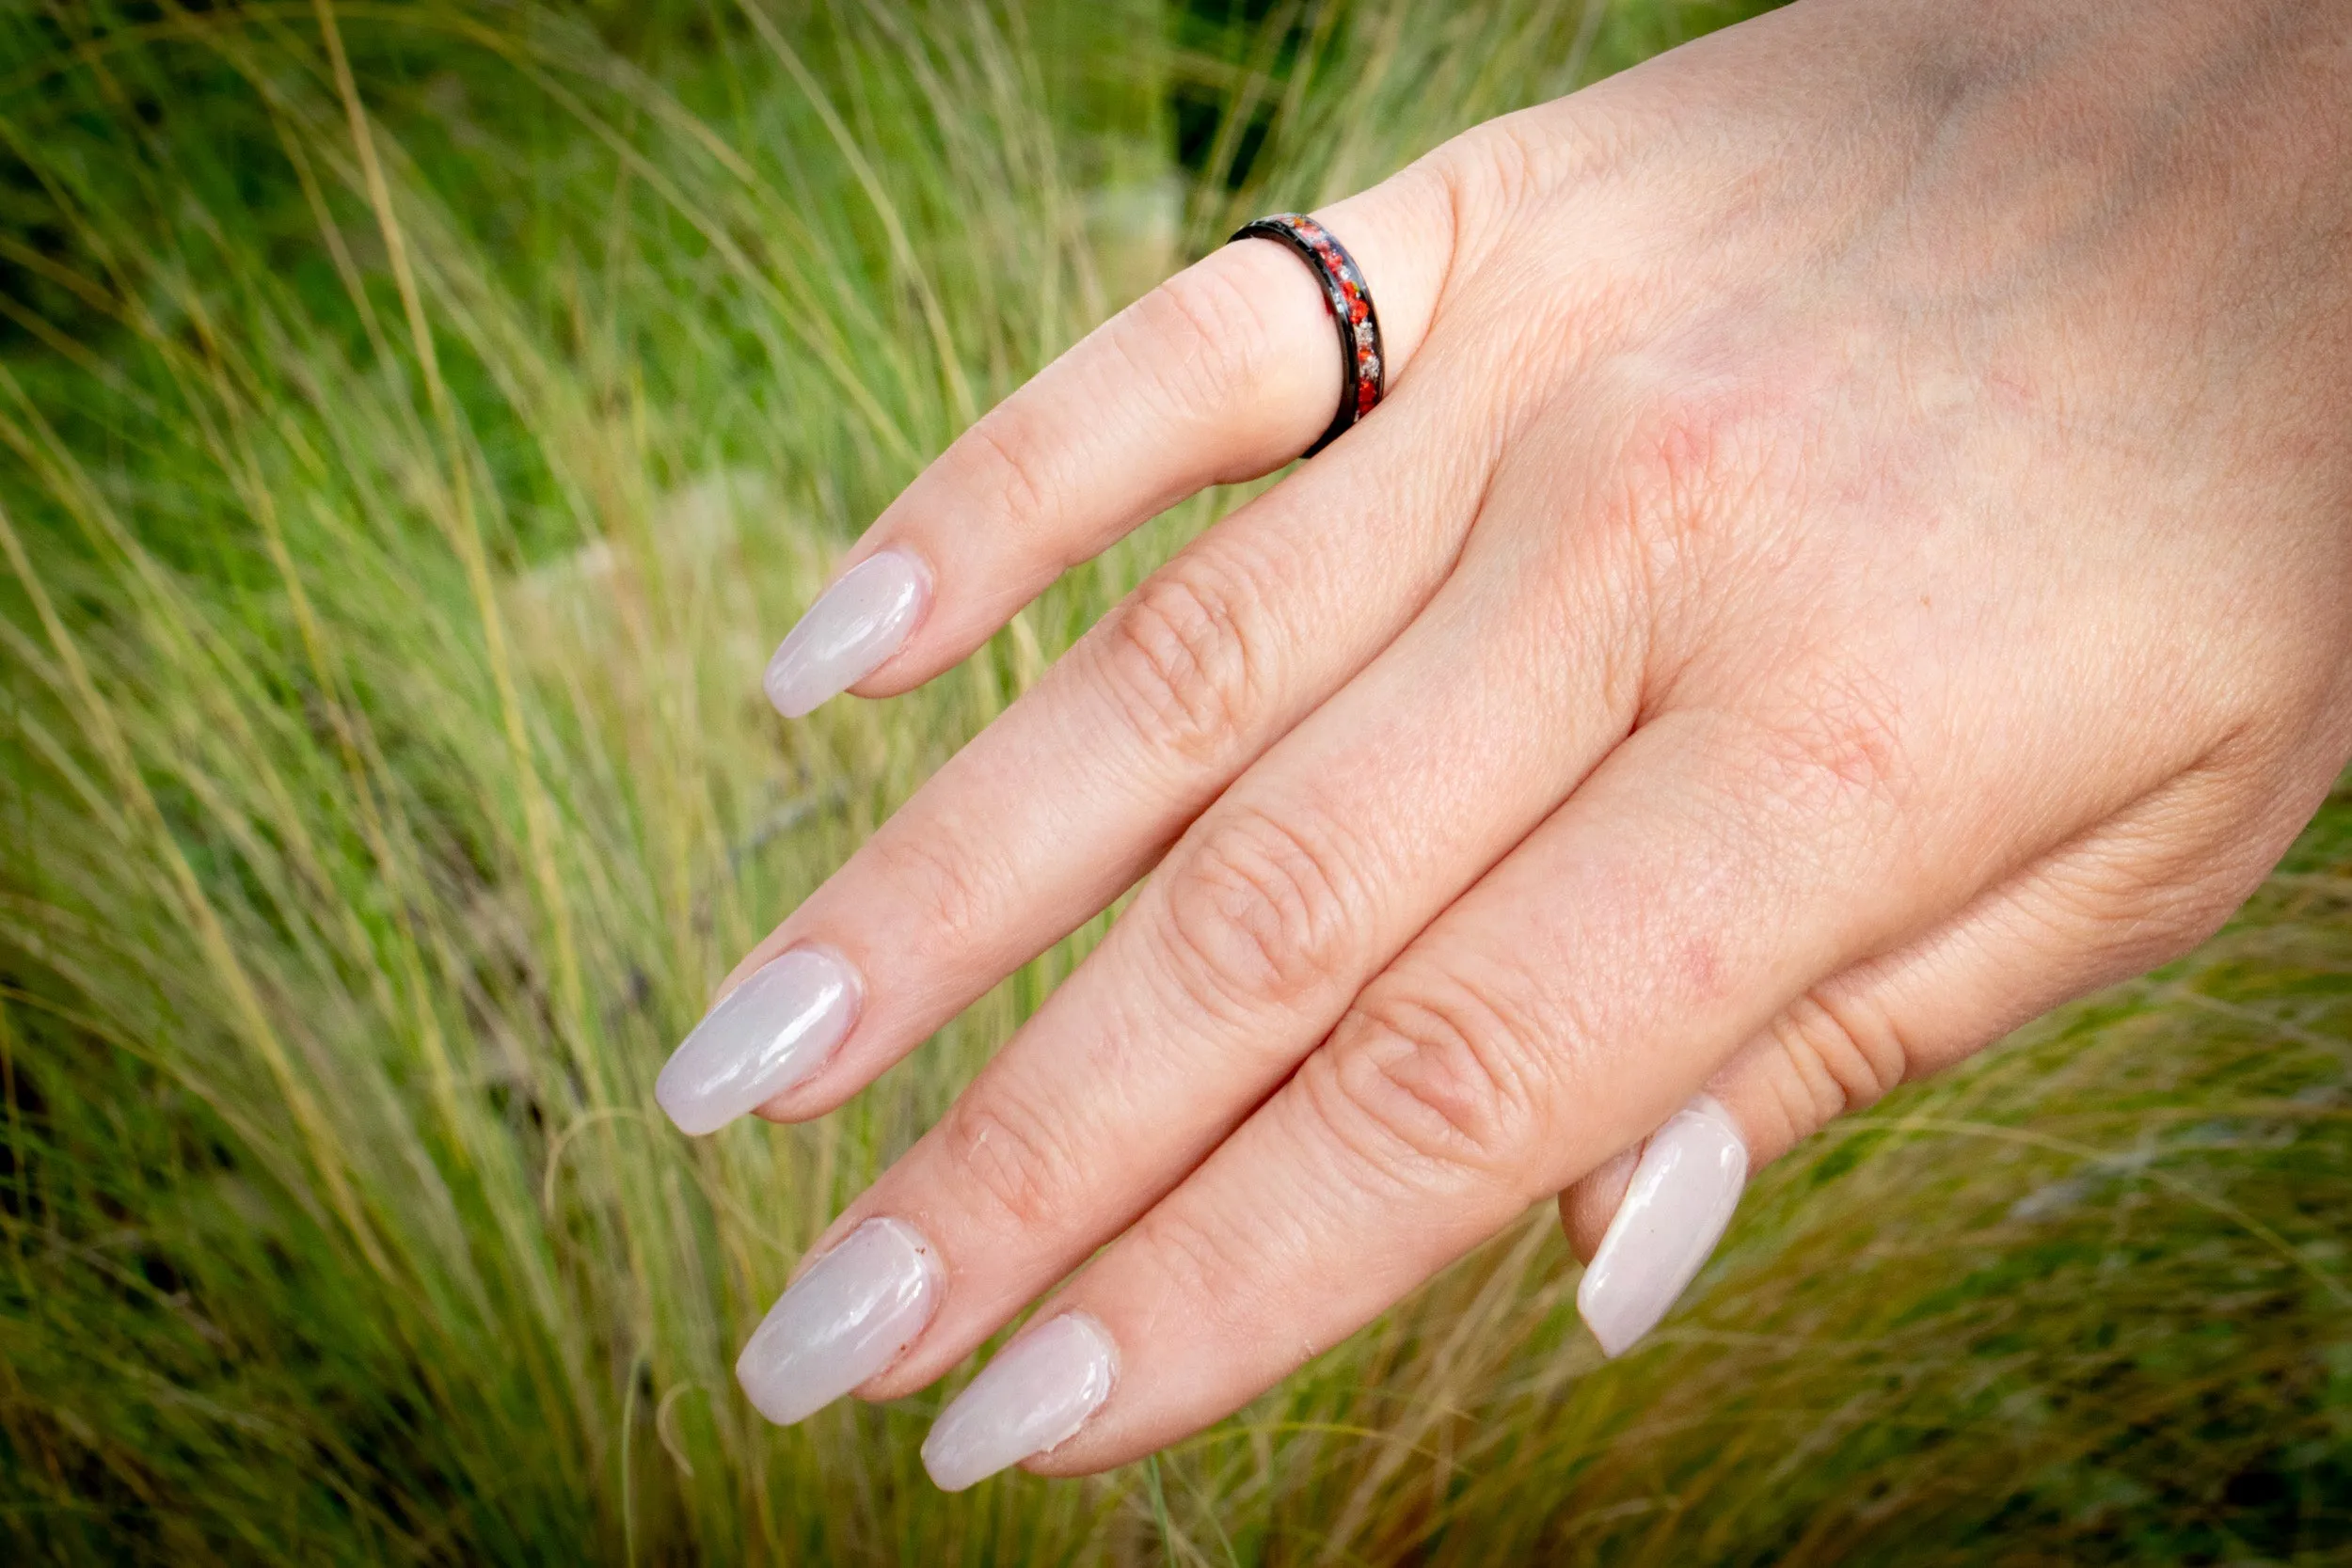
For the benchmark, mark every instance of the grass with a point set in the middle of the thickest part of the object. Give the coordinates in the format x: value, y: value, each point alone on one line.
x: 417, y: 420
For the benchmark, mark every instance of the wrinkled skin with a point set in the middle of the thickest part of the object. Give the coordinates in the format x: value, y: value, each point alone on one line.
x: 1857, y: 552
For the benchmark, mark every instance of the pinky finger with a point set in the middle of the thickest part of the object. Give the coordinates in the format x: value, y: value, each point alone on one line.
x: 2112, y: 904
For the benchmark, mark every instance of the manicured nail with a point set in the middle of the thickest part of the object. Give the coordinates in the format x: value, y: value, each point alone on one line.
x: 771, y: 1031
x: 855, y: 626
x: 1039, y: 1390
x: 852, y: 1313
x: 1683, y: 1196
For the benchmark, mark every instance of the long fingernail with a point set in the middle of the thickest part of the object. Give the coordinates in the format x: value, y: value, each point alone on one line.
x: 1682, y: 1198
x: 855, y: 626
x: 1039, y: 1390
x: 852, y: 1313
x: 771, y: 1031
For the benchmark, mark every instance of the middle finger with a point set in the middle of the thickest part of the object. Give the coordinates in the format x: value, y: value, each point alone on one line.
x: 1241, y: 951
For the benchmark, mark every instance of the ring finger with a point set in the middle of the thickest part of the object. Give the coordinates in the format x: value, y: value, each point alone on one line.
x: 1251, y: 940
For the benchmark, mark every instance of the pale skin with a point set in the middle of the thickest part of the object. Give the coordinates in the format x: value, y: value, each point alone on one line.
x: 1856, y: 551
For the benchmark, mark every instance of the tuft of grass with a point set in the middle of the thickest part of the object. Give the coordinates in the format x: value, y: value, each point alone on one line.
x: 417, y: 420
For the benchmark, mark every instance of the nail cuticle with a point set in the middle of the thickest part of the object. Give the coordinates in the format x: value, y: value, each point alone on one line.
x: 843, y: 1229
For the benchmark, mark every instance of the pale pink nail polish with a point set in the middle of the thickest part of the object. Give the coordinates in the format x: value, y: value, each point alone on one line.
x: 1039, y: 1390
x: 1681, y: 1199
x: 848, y: 632
x: 852, y: 1313
x: 770, y: 1033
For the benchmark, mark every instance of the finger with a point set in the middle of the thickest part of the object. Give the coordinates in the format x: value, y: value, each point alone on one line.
x: 1223, y: 373
x: 1245, y: 946
x: 1068, y: 797
x: 1065, y: 800
x: 1560, y: 1009
x: 2141, y: 888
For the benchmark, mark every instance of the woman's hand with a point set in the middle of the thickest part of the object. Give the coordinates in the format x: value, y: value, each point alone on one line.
x: 1857, y: 550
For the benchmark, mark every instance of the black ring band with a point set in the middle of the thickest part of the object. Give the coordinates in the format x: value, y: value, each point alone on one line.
x: 1363, y: 369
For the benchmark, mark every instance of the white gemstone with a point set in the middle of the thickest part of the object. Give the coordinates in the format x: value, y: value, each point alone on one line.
x: 1371, y: 366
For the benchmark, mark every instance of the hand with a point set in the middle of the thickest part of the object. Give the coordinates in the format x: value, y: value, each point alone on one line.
x: 1857, y: 550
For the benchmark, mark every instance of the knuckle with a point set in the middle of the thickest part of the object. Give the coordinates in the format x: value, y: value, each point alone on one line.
x: 1178, y: 659
x: 1507, y: 164
x: 1840, y: 755
x: 1844, y: 1052
x: 1496, y: 174
x: 1194, y: 338
x: 1000, y: 463
x: 1693, y: 453
x: 1197, y: 1268
x: 947, y: 892
x: 1444, y: 1080
x: 1493, y: 168
x: 1256, y: 915
x: 1705, y: 481
x: 1001, y: 1149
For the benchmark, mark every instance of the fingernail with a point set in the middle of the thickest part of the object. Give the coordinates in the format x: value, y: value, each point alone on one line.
x: 771, y: 1031
x: 1682, y: 1198
x: 855, y: 626
x: 852, y: 1313
x: 1039, y: 1390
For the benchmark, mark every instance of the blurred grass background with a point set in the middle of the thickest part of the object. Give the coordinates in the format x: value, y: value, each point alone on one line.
x: 417, y: 422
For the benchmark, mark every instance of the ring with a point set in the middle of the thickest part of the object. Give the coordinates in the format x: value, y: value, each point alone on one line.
x: 1364, y: 375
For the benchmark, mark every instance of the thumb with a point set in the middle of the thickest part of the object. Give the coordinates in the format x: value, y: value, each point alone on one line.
x: 2142, y: 888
